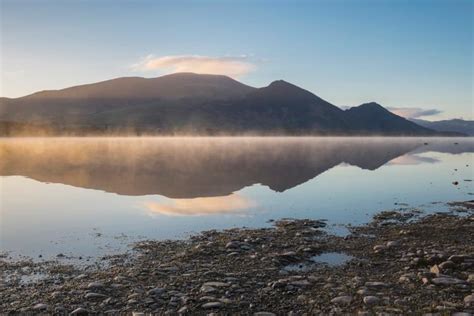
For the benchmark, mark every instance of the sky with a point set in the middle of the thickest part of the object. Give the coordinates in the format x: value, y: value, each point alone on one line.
x: 412, y: 56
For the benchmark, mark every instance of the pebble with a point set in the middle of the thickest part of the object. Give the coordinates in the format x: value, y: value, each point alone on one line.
x: 40, y: 306
x: 94, y: 296
x: 216, y: 284
x: 212, y: 305
x: 80, y: 311
x: 469, y: 300
x: 183, y: 310
x: 376, y: 284
x: 342, y: 300
x: 447, y: 281
x: 95, y: 285
x: 264, y: 314
x: 371, y: 300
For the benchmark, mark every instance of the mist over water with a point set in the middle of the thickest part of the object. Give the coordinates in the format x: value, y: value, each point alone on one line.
x: 92, y: 196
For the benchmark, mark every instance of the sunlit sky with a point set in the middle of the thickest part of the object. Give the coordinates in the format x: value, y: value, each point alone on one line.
x: 402, y: 54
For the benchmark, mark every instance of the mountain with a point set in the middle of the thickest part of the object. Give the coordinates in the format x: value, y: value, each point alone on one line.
x: 455, y: 125
x: 375, y: 119
x: 187, y: 103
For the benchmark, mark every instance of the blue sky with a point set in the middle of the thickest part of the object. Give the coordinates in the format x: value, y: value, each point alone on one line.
x: 402, y: 54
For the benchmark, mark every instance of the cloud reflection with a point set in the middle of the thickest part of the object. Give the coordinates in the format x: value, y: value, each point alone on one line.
x: 233, y: 203
x: 412, y: 160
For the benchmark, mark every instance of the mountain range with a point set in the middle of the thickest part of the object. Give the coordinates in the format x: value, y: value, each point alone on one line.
x: 188, y: 103
x: 455, y: 125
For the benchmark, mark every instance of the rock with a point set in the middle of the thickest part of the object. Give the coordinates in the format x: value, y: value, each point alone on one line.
x: 371, y: 300
x: 183, y: 310
x: 232, y: 244
x: 211, y: 305
x: 394, y: 243
x: 264, y: 314
x: 216, y: 284
x: 81, y: 276
x: 138, y: 314
x: 447, y: 281
x: 155, y: 291
x: 300, y: 283
x: 95, y: 285
x: 40, y: 307
x: 379, y: 248
x: 469, y: 300
x: 342, y: 300
x: 95, y: 296
x: 446, y: 265
x: 376, y: 284
x: 80, y: 311
x: 208, y: 289
x: 435, y: 269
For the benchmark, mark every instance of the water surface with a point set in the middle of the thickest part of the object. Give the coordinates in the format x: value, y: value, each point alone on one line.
x: 92, y: 196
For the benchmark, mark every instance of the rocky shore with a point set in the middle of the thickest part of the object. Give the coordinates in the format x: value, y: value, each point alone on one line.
x: 400, y: 263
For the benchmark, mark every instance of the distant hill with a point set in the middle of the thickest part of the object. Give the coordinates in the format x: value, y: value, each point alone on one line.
x: 455, y: 125
x: 187, y: 103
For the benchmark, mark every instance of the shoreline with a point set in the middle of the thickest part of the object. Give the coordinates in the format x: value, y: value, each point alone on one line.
x: 397, y: 264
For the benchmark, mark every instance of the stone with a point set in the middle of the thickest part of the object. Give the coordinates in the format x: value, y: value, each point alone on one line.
x: 94, y: 296
x: 183, y: 310
x: 211, y: 305
x: 155, y: 291
x: 376, y: 284
x: 264, y: 314
x: 446, y: 265
x: 232, y: 244
x: 394, y: 243
x: 40, y: 307
x: 95, y: 285
x: 342, y: 300
x: 435, y: 269
x: 371, y: 300
x: 208, y: 289
x: 447, y: 281
x: 216, y: 284
x: 469, y: 300
x: 80, y: 311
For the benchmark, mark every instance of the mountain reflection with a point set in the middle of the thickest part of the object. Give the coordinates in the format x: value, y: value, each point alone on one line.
x: 185, y: 168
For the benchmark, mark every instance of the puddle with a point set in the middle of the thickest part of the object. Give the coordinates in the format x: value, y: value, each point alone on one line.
x: 331, y: 259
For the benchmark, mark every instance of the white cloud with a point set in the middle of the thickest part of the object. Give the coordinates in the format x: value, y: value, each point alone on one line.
x: 229, y: 66
x: 413, y: 112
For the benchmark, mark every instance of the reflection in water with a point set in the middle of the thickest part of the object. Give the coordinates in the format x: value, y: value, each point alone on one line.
x: 186, y: 168
x: 201, y: 206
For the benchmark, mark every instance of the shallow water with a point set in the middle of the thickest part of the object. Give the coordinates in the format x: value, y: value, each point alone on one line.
x: 92, y: 196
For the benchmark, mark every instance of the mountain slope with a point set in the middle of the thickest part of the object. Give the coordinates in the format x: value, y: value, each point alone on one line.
x: 455, y: 125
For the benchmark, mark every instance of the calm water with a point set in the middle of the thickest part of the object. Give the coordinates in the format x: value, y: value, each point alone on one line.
x: 89, y: 197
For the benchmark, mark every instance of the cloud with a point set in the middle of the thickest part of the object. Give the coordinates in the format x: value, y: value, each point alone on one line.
x: 230, y: 66
x: 414, y: 112
x: 233, y: 203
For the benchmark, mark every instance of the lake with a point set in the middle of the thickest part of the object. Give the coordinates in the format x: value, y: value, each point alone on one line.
x: 87, y: 197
